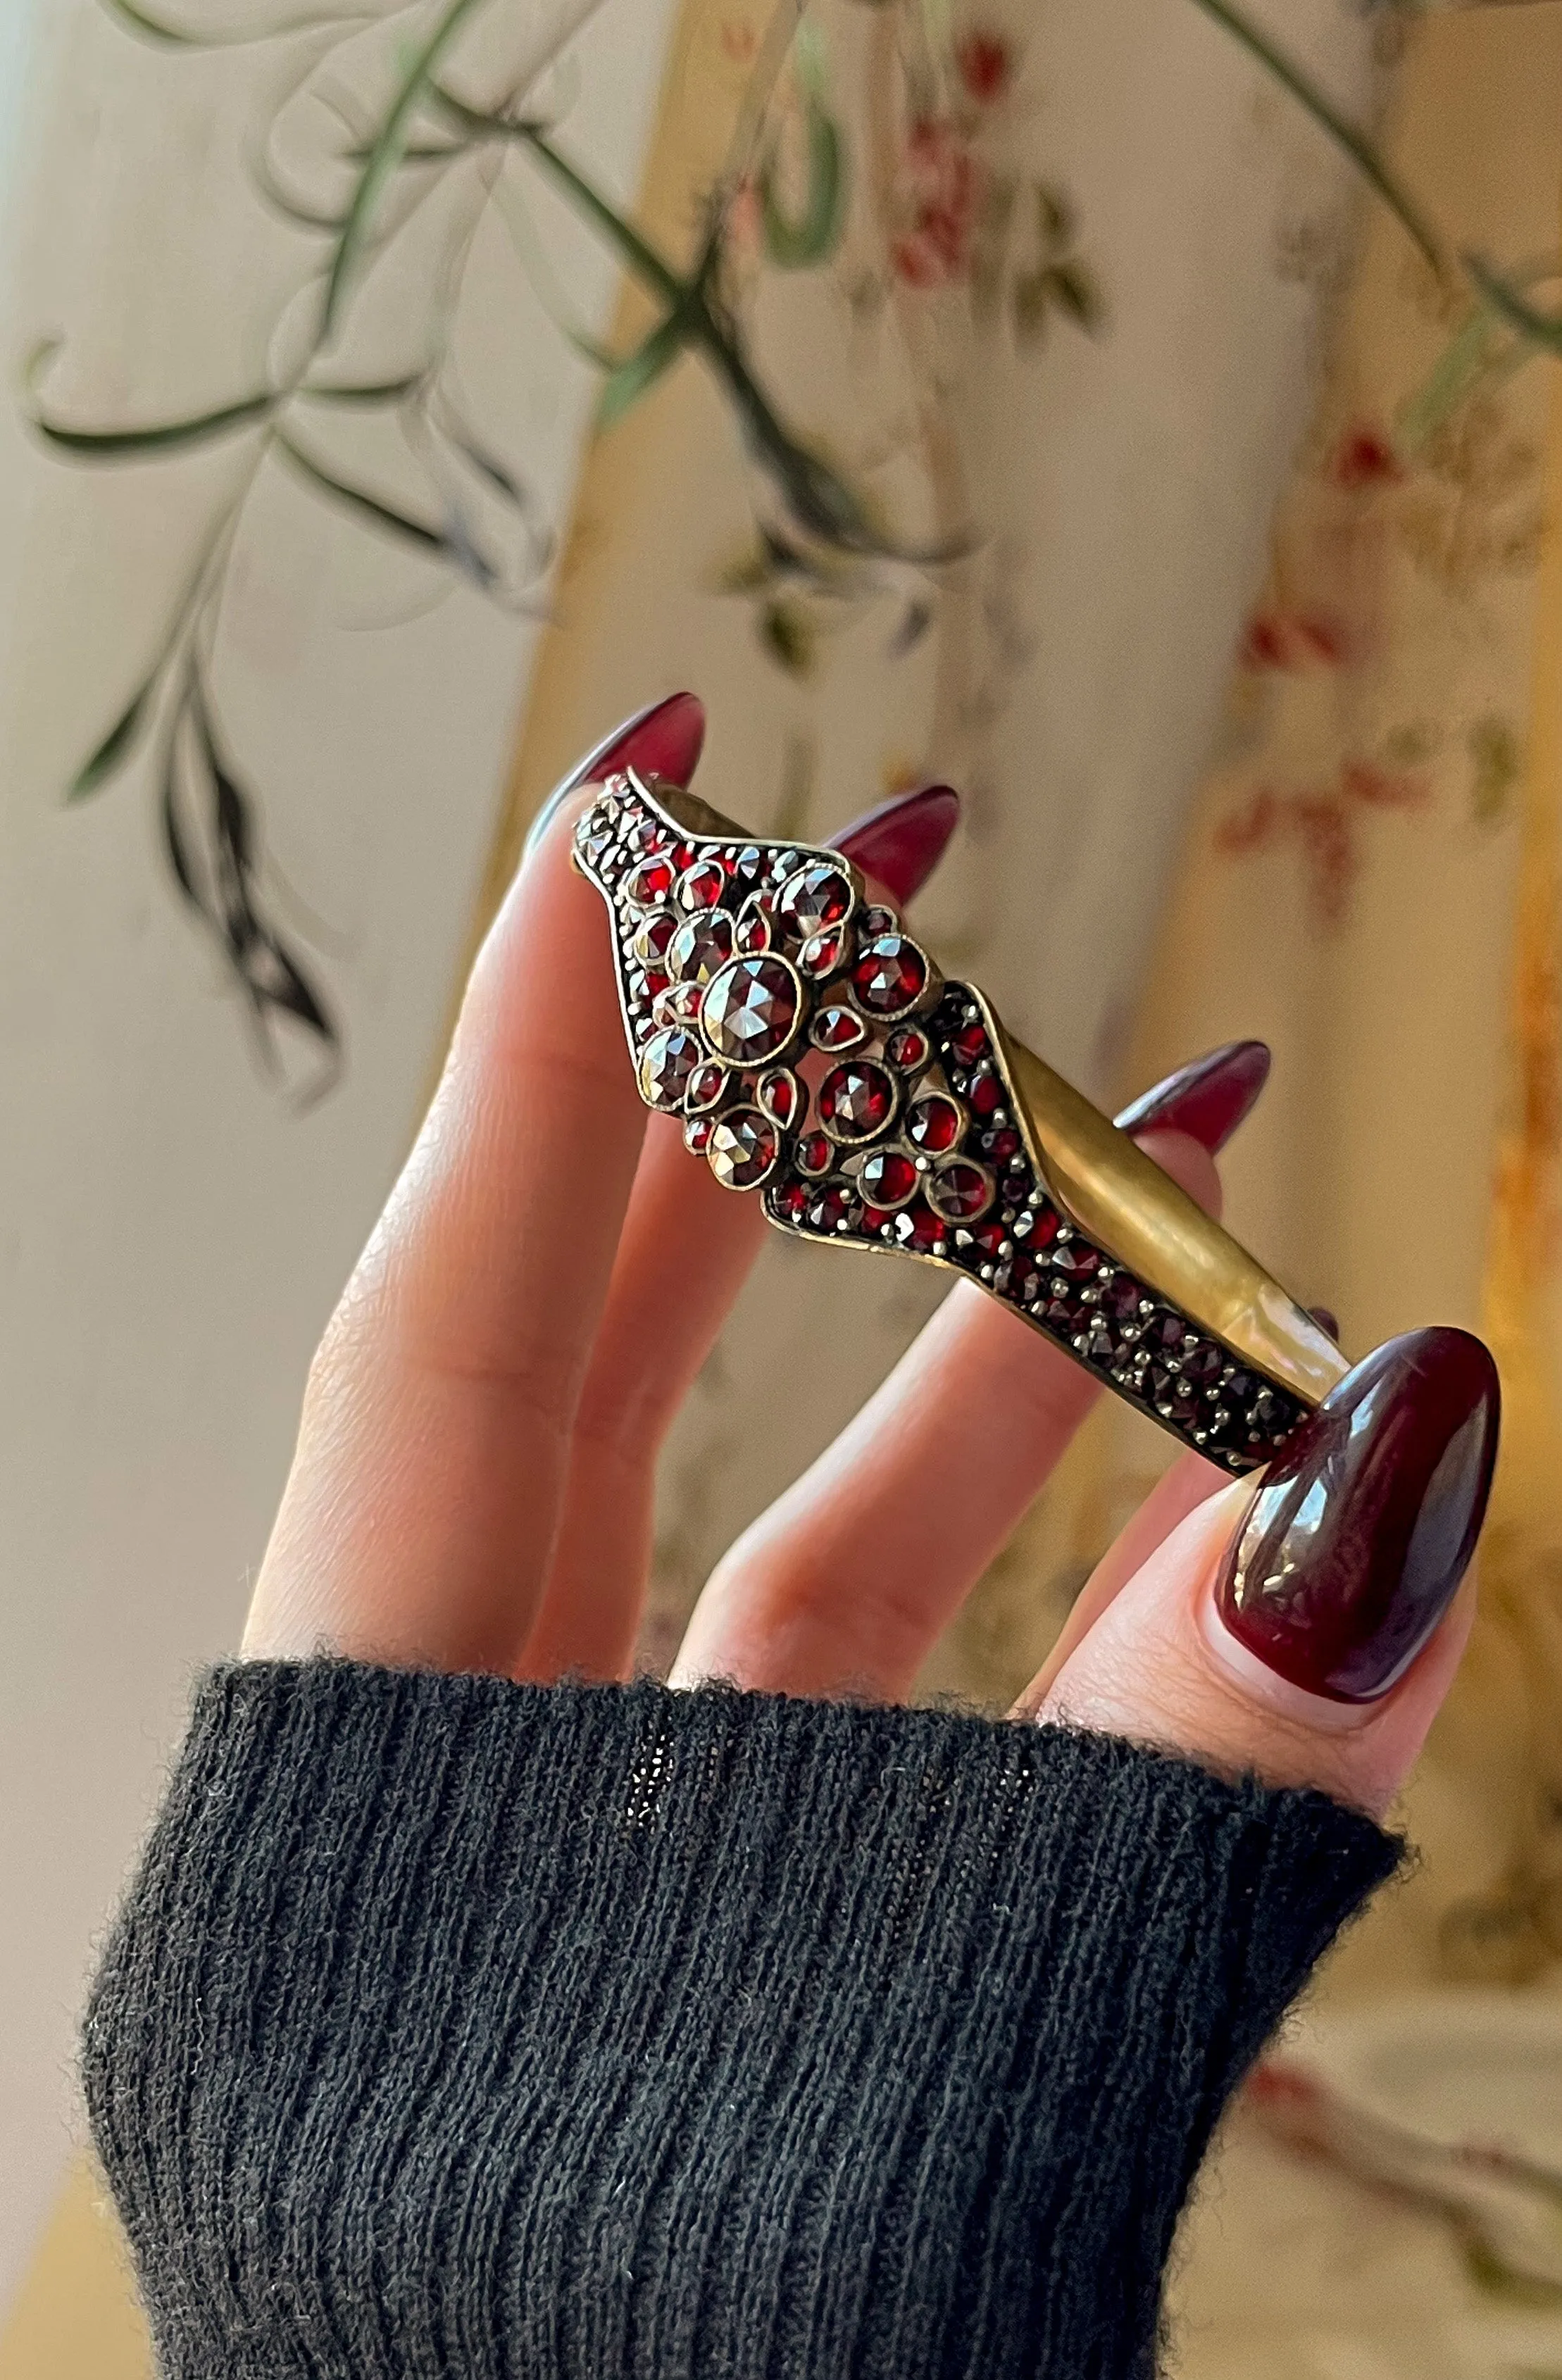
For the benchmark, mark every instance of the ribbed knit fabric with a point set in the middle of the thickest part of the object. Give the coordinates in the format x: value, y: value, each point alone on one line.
x: 458, y: 2028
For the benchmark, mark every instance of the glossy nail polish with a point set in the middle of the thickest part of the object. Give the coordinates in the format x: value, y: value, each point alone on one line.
x: 662, y: 740
x: 1364, y: 1524
x: 901, y: 842
x: 1207, y: 1098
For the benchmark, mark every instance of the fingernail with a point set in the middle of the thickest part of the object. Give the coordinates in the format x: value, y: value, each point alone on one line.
x: 1326, y: 1319
x: 901, y: 843
x: 1364, y: 1523
x: 662, y: 740
x: 1207, y: 1098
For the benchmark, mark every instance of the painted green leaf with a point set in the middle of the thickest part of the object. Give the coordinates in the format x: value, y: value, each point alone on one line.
x: 382, y: 391
x: 148, y: 27
x: 1468, y: 362
x: 1540, y: 329
x: 636, y: 252
x: 151, y: 29
x: 105, y: 445
x: 386, y: 153
x: 796, y: 241
x: 370, y: 508
x: 1357, y: 144
x: 1075, y: 290
x: 629, y: 381
x: 117, y: 746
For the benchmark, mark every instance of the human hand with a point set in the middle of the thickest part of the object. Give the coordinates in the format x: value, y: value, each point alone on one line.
x: 474, y: 1479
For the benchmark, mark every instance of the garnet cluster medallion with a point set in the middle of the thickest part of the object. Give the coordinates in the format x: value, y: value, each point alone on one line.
x: 815, y: 1054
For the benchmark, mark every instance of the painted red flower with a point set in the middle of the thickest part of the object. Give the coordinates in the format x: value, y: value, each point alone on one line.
x: 942, y: 185
x: 986, y: 64
x: 1364, y: 458
x: 1291, y: 640
x: 1323, y: 823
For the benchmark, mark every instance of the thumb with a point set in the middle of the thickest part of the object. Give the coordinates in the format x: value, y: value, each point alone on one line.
x: 1307, y: 1629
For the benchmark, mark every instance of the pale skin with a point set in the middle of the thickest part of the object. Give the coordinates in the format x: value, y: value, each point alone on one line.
x: 475, y: 1479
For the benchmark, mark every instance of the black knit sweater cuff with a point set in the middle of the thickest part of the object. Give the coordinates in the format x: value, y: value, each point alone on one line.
x: 608, y: 2033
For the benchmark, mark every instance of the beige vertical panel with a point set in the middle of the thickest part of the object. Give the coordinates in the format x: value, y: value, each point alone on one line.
x: 1116, y: 484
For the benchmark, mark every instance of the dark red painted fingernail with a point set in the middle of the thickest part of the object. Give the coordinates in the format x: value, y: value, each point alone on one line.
x: 1326, y: 1319
x: 662, y: 740
x: 901, y: 843
x: 1207, y: 1098
x: 1365, y: 1522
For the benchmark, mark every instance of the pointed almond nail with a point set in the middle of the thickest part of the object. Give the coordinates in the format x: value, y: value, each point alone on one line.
x: 662, y: 740
x: 1207, y: 1098
x: 901, y: 842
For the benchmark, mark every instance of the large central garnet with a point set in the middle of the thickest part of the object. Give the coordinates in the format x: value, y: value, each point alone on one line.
x: 749, y: 1010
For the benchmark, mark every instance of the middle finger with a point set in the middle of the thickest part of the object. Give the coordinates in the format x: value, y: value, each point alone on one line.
x: 847, y: 1581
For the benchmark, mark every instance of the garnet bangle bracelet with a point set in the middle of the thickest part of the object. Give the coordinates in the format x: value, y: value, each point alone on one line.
x: 817, y: 1056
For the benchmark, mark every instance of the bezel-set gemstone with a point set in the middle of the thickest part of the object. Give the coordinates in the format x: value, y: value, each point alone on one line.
x: 697, y: 1134
x: 753, y: 933
x: 919, y: 1228
x: 908, y: 1047
x: 665, y: 1064
x: 889, y: 1179
x: 876, y: 920
x: 1171, y: 1393
x: 836, y: 1208
x: 679, y: 1004
x: 1095, y: 1341
x: 650, y: 936
x: 752, y: 1010
x: 702, y: 886
x: 891, y: 976
x: 857, y: 1100
x: 708, y: 1086
x: 1019, y: 1278
x: 1120, y: 1297
x: 969, y: 1045
x: 648, y: 885
x: 960, y: 1191
x: 820, y: 955
x: 743, y: 1149
x: 782, y: 1097
x: 699, y: 947
x: 816, y: 1154
x: 986, y: 1094
x: 816, y: 898
x: 1075, y: 1260
x: 836, y: 1029
x: 935, y: 1124
x: 791, y: 1200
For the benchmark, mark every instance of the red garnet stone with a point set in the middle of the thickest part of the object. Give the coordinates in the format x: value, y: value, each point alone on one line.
x: 749, y: 1010
x: 933, y: 1124
x: 958, y: 1191
x: 889, y: 1179
x: 890, y: 977
x: 856, y: 1101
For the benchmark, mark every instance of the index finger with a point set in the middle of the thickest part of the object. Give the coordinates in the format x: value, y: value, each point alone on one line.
x: 419, y: 1518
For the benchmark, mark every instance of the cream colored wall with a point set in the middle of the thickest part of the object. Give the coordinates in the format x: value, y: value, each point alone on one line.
x: 173, y: 1232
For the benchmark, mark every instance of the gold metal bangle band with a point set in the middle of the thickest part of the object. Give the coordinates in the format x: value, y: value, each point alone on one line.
x: 816, y: 1054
